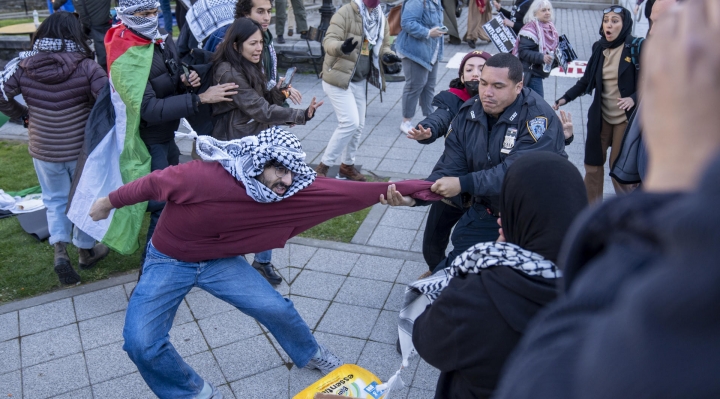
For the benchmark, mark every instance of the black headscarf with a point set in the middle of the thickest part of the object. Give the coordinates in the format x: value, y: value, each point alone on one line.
x: 597, y: 58
x: 541, y: 195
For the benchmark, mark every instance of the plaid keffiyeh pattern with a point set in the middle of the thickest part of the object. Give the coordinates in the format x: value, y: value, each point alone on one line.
x: 207, y: 16
x: 246, y: 158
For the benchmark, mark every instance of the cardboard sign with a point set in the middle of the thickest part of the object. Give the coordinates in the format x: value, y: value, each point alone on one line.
x: 575, y: 69
x: 503, y: 37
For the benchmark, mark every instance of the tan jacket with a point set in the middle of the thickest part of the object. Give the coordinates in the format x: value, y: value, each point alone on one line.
x: 338, y: 68
x: 249, y: 112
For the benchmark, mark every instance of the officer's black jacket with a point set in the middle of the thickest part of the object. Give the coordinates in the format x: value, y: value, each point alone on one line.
x: 474, y: 156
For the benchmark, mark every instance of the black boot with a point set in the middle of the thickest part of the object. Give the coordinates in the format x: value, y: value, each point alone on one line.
x: 280, y: 39
x: 471, y: 43
x: 87, y: 258
x: 267, y: 271
x: 63, y: 268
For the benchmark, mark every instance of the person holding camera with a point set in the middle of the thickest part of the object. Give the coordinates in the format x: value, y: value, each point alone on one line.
x: 420, y: 46
x: 254, y: 107
x: 355, y: 43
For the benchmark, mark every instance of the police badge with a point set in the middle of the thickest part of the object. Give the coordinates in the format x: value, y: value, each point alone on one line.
x: 537, y: 127
x: 509, y: 142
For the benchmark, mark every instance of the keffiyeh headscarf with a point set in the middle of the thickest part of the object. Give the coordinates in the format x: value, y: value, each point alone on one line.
x: 246, y: 158
x: 145, y: 26
x: 207, y: 16
x: 373, y: 29
x: 45, y: 44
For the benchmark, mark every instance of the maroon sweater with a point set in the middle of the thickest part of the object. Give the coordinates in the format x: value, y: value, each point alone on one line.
x: 208, y: 214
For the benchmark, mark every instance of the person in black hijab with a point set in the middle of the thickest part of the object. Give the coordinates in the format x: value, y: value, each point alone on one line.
x: 494, y: 289
x: 612, y: 71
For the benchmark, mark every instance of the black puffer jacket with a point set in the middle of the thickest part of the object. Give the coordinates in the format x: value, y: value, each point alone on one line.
x: 471, y: 329
x: 448, y: 105
x: 165, y: 100
x: 60, y: 90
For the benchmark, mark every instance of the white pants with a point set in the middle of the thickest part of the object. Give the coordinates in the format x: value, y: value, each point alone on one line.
x: 350, y: 107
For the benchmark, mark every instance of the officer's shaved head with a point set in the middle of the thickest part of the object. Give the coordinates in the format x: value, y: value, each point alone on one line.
x: 509, y: 61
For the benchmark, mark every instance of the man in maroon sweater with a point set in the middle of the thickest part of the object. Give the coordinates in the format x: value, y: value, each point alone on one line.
x: 257, y: 195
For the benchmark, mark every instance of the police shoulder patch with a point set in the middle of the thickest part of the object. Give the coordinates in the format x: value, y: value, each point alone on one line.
x: 537, y: 127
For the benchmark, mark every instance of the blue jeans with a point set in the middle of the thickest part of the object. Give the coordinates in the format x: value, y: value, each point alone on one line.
x: 164, y: 284
x: 536, y: 83
x: 264, y: 256
x: 475, y: 226
x: 167, y: 15
x: 55, y: 180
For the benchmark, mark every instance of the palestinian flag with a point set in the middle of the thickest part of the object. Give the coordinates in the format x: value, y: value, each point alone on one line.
x: 113, y: 152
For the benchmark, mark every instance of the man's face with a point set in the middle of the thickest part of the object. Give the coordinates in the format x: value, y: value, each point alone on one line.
x: 660, y: 7
x: 276, y: 178
x: 260, y: 13
x: 496, y: 90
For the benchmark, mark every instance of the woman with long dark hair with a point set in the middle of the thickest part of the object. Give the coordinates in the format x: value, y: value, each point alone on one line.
x: 59, y: 81
x: 613, y: 73
x: 254, y: 108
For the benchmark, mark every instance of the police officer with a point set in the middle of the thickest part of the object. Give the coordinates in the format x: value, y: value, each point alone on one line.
x: 514, y: 17
x: 492, y: 129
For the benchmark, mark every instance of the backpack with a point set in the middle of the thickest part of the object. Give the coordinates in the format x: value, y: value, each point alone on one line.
x: 635, y: 47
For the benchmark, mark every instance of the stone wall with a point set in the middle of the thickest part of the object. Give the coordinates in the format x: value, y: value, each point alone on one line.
x: 19, y: 5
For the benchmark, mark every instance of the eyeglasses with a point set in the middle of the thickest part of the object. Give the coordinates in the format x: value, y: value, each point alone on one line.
x: 281, y: 171
x: 617, y: 10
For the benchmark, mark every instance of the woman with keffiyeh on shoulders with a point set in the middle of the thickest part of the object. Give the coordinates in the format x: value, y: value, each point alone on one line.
x: 536, y: 44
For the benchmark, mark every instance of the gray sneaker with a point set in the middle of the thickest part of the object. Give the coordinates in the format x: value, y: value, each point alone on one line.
x: 325, y: 361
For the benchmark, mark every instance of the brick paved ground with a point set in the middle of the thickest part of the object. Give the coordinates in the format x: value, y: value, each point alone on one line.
x: 67, y: 344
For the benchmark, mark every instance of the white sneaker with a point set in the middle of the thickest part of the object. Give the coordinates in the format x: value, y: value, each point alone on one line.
x: 324, y: 360
x: 405, y: 127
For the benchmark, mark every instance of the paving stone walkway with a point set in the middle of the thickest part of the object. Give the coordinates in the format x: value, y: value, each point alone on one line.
x: 68, y: 344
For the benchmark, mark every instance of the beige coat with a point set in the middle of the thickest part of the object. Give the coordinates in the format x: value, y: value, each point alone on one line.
x: 338, y: 68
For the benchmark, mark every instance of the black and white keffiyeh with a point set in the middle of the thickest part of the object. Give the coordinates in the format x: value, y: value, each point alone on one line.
x: 246, y: 158
x: 145, y: 26
x: 45, y: 44
x: 207, y: 16
x: 480, y: 256
x: 373, y: 29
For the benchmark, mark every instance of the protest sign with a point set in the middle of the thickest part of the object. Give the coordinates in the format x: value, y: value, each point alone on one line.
x: 502, y: 36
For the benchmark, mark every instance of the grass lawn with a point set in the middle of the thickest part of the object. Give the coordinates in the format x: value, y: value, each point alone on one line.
x: 7, y: 22
x: 26, y: 268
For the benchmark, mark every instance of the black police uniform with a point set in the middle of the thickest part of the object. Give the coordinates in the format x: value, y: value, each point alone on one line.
x: 479, y: 149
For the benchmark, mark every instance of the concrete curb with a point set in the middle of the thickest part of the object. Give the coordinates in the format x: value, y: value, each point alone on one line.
x: 131, y: 276
x: 68, y: 292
